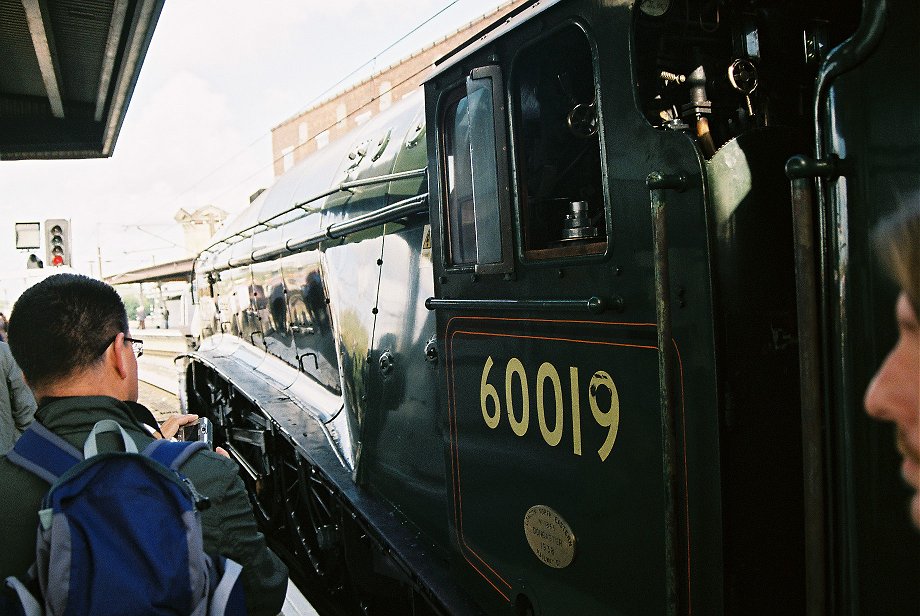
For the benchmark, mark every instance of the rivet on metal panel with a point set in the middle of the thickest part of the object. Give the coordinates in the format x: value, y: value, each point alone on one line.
x: 431, y: 351
x: 596, y: 305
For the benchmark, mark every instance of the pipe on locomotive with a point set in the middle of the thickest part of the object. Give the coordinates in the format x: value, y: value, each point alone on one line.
x: 390, y: 213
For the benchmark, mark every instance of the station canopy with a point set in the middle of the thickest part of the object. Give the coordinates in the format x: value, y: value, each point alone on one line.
x: 67, y: 73
x: 180, y: 270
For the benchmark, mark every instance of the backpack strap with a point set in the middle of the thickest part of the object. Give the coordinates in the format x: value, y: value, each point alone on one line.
x: 227, y: 597
x: 44, y: 453
x: 91, y: 447
x: 28, y: 604
x: 173, y: 454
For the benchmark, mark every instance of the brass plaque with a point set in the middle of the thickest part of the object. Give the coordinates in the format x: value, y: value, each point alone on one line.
x: 549, y: 536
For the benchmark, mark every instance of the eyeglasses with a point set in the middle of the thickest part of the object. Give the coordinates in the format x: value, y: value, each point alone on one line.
x: 136, y: 345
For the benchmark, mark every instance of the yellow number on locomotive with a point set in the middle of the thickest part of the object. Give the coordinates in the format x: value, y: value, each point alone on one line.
x: 602, y: 396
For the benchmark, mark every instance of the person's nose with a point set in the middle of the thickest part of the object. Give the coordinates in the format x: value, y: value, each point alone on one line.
x: 881, y: 395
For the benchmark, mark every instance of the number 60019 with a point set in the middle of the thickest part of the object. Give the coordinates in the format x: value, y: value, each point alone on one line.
x: 602, y: 394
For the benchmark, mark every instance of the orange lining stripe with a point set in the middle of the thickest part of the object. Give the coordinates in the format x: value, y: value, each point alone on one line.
x: 460, y: 527
x: 683, y: 417
x: 458, y: 494
x: 519, y: 320
x: 621, y: 344
x: 455, y: 475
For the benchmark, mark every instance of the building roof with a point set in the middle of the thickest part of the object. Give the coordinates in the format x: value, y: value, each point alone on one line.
x: 68, y: 72
x: 165, y: 272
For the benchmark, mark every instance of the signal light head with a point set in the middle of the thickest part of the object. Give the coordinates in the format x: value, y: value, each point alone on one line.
x: 57, y: 242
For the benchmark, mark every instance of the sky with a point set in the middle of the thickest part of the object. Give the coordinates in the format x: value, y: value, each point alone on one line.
x: 218, y: 76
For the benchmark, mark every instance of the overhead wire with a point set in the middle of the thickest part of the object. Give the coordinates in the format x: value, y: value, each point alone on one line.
x: 312, y: 102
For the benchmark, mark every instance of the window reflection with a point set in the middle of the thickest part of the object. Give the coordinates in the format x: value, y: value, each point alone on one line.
x: 308, y: 319
x: 461, y: 216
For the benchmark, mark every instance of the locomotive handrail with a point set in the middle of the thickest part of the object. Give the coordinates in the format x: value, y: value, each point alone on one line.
x: 391, y: 213
x: 380, y: 179
x: 344, y: 186
x: 594, y: 305
x: 657, y: 184
x: 810, y: 222
x: 801, y: 172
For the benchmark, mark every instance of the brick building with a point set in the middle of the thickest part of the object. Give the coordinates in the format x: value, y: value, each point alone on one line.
x: 314, y: 128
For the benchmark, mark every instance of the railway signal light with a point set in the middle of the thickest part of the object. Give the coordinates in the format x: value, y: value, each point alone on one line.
x: 57, y: 242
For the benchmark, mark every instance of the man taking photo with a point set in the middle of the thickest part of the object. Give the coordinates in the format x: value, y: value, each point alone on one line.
x: 70, y: 336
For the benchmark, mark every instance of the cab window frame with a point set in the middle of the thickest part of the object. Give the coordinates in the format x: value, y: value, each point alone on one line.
x: 498, y: 237
x: 601, y: 247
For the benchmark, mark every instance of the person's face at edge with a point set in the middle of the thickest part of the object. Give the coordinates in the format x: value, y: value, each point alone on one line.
x: 894, y: 395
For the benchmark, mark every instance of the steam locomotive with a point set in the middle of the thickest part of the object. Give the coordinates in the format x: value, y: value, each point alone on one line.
x: 583, y: 327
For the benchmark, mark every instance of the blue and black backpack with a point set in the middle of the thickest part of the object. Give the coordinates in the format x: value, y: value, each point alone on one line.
x: 119, y: 533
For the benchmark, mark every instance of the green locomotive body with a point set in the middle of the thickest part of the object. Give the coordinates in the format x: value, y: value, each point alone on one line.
x: 560, y: 336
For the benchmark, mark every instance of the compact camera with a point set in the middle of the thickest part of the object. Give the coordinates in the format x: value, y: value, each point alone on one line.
x: 202, y: 430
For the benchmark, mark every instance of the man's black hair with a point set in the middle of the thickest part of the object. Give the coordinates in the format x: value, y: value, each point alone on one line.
x: 63, y: 325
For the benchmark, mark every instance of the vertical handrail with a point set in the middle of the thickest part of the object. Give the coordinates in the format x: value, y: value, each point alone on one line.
x: 806, y: 272
x: 802, y: 172
x: 810, y: 207
x: 657, y: 184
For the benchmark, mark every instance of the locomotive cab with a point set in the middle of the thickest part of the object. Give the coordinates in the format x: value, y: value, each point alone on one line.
x: 545, y: 305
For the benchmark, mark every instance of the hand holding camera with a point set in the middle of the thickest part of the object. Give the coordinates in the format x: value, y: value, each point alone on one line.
x: 202, y: 430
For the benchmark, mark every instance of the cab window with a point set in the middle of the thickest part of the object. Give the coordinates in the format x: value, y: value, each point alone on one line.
x: 557, y: 146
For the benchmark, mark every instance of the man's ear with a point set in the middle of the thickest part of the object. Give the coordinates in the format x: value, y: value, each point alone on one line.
x: 117, y: 355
